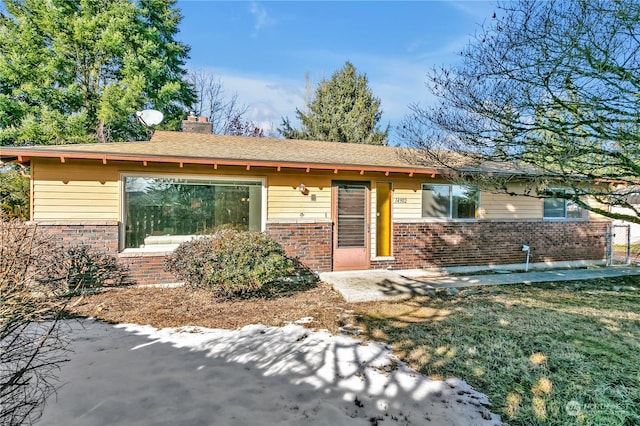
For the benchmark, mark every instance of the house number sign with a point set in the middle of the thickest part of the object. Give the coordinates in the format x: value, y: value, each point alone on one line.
x: 400, y: 201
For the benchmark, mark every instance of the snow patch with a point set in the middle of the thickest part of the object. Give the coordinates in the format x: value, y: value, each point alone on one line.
x: 131, y: 374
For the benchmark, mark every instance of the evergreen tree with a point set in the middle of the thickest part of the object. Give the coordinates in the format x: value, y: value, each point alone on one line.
x: 77, y: 70
x: 14, y: 193
x: 344, y: 110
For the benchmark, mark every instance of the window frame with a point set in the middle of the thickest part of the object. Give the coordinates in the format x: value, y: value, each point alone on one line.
x: 223, y: 178
x: 450, y: 186
x: 566, y: 202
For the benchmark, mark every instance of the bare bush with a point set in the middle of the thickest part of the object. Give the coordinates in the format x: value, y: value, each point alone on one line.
x: 37, y: 274
x: 33, y: 279
x: 90, y: 270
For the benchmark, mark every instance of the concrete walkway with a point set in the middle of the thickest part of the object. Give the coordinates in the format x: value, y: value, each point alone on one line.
x: 362, y: 286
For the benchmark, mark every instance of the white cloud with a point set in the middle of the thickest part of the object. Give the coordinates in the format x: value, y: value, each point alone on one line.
x: 263, y: 19
x: 398, y: 81
x: 268, y: 98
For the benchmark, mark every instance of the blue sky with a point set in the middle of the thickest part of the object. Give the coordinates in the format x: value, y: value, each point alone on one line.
x: 262, y: 50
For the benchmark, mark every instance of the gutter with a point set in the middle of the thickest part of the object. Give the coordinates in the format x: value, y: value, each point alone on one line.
x: 22, y: 157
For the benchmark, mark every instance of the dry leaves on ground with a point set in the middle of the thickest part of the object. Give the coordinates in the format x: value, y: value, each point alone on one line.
x: 175, y: 307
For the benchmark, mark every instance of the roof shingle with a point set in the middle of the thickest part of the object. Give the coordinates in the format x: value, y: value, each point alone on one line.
x: 184, y: 146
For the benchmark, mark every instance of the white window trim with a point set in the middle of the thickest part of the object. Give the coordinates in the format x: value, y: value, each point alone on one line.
x: 449, y: 219
x: 172, y: 247
x: 565, y: 217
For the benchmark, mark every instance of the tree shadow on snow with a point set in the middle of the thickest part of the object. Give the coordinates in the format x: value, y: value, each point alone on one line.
x: 131, y: 374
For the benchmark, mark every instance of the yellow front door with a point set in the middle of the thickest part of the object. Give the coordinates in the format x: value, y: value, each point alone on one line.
x: 383, y: 219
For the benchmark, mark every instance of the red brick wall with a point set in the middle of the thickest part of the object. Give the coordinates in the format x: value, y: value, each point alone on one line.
x: 99, y: 235
x: 437, y: 244
x: 311, y: 242
x: 148, y: 269
x: 143, y: 267
x: 415, y: 245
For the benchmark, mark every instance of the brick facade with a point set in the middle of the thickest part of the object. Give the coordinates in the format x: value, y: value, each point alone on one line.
x: 148, y: 268
x: 101, y: 235
x: 311, y: 242
x: 144, y: 268
x: 441, y: 244
x: 415, y: 245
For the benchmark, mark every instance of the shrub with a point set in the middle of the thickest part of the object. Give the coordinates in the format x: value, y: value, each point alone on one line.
x: 235, y: 263
x: 88, y: 269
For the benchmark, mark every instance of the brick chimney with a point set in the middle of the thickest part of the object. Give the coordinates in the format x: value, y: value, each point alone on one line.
x: 195, y: 124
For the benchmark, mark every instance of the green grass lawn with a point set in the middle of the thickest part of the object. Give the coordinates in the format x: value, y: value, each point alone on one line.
x: 547, y: 354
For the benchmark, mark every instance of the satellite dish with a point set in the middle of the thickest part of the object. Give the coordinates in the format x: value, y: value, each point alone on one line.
x: 150, y: 117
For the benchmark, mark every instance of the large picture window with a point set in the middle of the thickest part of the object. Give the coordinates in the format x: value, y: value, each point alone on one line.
x: 449, y: 201
x: 559, y: 208
x: 159, y: 207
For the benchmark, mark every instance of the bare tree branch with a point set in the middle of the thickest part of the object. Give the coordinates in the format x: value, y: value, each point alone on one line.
x: 32, y: 283
x: 548, y: 93
x: 223, y: 111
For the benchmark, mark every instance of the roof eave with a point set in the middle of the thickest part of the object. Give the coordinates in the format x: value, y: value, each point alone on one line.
x: 25, y: 157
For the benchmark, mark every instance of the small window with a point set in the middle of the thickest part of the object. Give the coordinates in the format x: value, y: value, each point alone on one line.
x: 559, y: 208
x: 449, y: 201
x: 554, y: 208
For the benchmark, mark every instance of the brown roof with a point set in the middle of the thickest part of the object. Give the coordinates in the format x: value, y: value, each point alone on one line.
x: 277, y: 150
x: 187, y: 148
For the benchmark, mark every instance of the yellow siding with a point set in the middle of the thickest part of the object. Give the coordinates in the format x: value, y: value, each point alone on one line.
x: 407, y: 197
x: 90, y: 190
x: 407, y: 202
x: 31, y: 195
x: 286, y: 202
x: 75, y: 190
x: 502, y: 206
x: 594, y: 203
